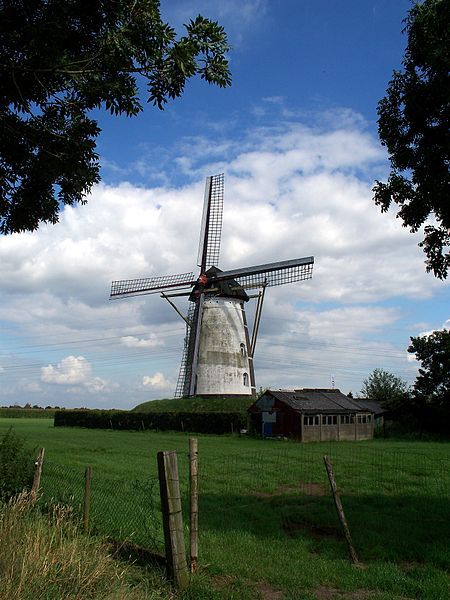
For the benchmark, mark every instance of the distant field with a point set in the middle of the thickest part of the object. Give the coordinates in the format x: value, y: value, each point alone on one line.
x: 27, y: 413
x: 267, y: 521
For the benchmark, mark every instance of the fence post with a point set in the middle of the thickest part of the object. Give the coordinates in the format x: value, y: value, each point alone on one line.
x: 87, y: 498
x: 193, y: 494
x: 340, y: 510
x: 37, y: 473
x: 169, y: 487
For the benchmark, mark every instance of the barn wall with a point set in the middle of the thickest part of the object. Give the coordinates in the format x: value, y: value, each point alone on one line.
x: 311, y: 433
x: 348, y: 431
x: 364, y: 431
x: 288, y: 423
x: 339, y: 432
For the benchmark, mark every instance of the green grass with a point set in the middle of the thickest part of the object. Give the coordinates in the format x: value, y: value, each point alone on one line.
x: 196, y: 404
x: 267, y: 521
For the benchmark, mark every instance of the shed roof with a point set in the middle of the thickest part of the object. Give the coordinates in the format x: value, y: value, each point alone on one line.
x: 313, y: 400
x: 372, y: 405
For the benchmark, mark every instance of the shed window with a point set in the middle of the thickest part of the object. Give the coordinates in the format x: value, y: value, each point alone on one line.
x: 329, y: 420
x: 246, y: 379
x: 363, y: 418
x: 345, y: 419
x: 311, y: 419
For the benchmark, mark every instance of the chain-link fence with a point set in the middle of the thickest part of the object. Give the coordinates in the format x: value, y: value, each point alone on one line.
x: 385, y: 494
x: 234, y: 488
x: 122, y: 509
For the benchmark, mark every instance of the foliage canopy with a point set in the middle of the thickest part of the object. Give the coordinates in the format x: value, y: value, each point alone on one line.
x: 433, y: 380
x: 414, y: 125
x: 384, y: 387
x: 59, y: 60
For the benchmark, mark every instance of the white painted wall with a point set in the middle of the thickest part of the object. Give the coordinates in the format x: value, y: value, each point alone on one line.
x: 222, y: 361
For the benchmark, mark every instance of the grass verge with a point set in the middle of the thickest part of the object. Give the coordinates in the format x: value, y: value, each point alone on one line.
x: 45, y: 556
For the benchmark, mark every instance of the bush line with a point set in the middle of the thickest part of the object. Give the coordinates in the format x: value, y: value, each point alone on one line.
x: 201, y: 422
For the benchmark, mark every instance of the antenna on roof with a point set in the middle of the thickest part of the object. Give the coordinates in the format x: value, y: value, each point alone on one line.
x: 332, y: 382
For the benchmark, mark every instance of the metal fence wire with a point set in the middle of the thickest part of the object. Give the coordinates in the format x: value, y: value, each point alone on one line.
x: 121, y: 509
x: 233, y: 486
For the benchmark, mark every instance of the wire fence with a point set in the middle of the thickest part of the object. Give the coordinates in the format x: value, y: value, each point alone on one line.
x: 232, y: 488
x: 122, y: 509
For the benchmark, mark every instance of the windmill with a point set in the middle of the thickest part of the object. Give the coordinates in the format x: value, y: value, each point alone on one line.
x: 218, y: 348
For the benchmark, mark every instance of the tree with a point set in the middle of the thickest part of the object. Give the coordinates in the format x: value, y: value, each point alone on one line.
x: 384, y: 387
x: 414, y: 125
x: 433, y: 380
x: 59, y: 60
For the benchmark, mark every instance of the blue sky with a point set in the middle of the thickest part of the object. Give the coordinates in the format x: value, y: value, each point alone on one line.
x: 296, y: 138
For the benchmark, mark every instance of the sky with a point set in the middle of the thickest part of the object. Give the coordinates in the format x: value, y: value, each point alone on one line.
x: 296, y: 137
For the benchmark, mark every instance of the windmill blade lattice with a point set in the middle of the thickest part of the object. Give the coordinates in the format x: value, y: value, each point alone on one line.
x: 211, y: 230
x: 150, y: 285
x: 272, y: 274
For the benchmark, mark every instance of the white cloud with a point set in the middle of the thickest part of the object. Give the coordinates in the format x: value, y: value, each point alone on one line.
x: 134, y: 342
x: 96, y: 385
x: 239, y: 17
x: 70, y: 371
x: 73, y: 371
x: 156, y: 381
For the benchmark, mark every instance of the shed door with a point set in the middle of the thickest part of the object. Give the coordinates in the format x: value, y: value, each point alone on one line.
x: 267, y: 429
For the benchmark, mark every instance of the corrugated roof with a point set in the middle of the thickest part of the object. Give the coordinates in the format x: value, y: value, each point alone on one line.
x: 313, y: 400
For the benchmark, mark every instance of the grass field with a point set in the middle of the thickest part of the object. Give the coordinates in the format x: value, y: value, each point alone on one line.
x: 268, y: 527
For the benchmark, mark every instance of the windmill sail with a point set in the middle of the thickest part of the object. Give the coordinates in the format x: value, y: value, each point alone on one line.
x: 150, y: 285
x: 217, y: 353
x: 184, y: 375
x: 271, y: 274
x: 211, y: 229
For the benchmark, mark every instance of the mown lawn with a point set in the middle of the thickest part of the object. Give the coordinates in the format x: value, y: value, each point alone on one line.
x: 268, y: 527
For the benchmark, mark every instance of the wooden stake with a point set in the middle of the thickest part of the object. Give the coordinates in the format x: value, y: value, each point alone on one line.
x: 169, y: 487
x: 37, y: 473
x: 340, y: 510
x: 193, y: 488
x: 87, y: 498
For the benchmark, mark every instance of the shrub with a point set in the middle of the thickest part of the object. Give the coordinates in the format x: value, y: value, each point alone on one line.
x: 16, y: 465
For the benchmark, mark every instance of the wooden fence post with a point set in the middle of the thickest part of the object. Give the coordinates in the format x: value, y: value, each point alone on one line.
x: 193, y: 495
x: 37, y: 473
x: 87, y: 498
x: 340, y: 510
x: 169, y: 487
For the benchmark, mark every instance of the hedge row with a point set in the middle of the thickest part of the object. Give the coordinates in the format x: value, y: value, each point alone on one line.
x: 27, y: 413
x: 217, y: 423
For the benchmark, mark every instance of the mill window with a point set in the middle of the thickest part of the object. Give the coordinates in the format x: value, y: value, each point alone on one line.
x: 246, y: 379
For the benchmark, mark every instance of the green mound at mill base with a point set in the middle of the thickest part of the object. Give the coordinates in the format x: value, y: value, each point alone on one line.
x: 200, y: 404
